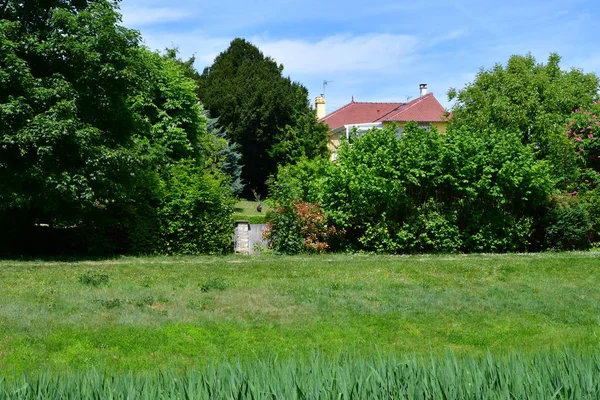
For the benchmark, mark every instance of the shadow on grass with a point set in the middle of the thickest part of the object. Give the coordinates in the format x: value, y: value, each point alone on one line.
x: 67, y: 258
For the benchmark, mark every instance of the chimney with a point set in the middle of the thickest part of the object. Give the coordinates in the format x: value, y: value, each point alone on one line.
x: 320, y: 106
x: 423, y: 87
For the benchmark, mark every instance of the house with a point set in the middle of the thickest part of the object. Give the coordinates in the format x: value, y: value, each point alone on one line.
x: 362, y: 116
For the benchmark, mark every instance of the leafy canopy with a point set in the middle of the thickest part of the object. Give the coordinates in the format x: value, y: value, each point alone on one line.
x: 267, y: 114
x: 524, y: 97
x: 94, y: 127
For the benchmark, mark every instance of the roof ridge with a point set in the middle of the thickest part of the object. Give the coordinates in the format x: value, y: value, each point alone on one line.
x: 412, y: 103
x: 391, y: 111
x: 378, y: 102
x: 359, y: 103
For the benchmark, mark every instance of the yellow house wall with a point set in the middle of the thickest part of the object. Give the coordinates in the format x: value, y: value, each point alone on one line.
x: 334, y: 141
x: 441, y: 126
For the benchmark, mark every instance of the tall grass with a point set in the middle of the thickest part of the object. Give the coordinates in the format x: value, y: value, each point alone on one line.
x: 550, y: 375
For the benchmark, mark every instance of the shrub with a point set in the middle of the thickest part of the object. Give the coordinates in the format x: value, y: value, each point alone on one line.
x: 147, y: 300
x: 426, y: 192
x: 300, y: 181
x: 111, y: 303
x: 568, y: 225
x: 195, y: 212
x: 214, y: 283
x: 583, y: 131
x: 299, y: 228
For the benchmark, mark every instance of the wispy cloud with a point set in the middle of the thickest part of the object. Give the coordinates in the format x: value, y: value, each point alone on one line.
x: 342, y: 53
x: 375, y: 51
x: 139, y: 16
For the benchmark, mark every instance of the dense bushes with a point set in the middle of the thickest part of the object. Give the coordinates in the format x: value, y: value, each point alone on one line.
x: 425, y: 192
x: 574, y: 216
x: 568, y: 225
x: 104, y: 147
x: 469, y: 190
x: 195, y: 213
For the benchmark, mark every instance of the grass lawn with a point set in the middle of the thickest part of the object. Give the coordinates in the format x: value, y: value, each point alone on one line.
x: 246, y: 210
x: 148, y: 313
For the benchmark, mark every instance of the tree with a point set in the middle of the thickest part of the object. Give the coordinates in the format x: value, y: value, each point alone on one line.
x: 94, y: 128
x: 226, y: 154
x: 266, y: 113
x: 526, y: 98
x: 65, y: 121
x: 583, y: 132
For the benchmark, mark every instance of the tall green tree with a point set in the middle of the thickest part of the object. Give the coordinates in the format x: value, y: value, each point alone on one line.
x: 265, y: 112
x: 94, y: 128
x: 226, y: 153
x: 524, y: 97
x: 65, y: 124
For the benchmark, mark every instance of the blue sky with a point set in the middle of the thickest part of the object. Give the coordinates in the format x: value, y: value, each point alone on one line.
x: 375, y: 50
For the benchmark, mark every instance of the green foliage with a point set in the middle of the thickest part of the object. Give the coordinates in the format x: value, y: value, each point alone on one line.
x: 561, y: 374
x: 227, y: 156
x: 144, y: 301
x: 111, y: 303
x: 568, y: 225
x: 300, y: 181
x: 65, y: 118
x: 524, y: 98
x: 214, y: 283
x: 265, y: 113
x: 196, y: 211
x: 574, y: 218
x: 299, y: 228
x: 583, y: 133
x: 93, y: 126
x: 92, y: 278
x: 427, y: 192
x: 220, y: 152
x: 283, y: 231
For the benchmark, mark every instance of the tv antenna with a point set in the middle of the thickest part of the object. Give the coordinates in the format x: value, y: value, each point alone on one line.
x: 408, y: 98
x: 325, y: 83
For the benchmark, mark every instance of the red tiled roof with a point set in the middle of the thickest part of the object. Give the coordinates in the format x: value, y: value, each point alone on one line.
x: 422, y: 109
x: 359, y: 113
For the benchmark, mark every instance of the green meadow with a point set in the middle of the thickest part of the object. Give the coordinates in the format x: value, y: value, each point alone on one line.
x: 159, y: 313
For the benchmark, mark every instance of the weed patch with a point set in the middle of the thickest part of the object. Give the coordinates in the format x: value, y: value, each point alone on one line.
x: 111, y: 303
x: 93, y: 278
x: 214, y: 283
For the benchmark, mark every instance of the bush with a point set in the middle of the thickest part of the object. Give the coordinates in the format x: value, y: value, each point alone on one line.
x: 299, y: 228
x: 426, y: 192
x: 583, y: 131
x: 568, y: 224
x: 300, y: 181
x: 196, y: 211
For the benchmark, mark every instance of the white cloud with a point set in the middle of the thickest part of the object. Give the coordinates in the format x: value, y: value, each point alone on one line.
x: 342, y: 53
x: 137, y: 16
x: 338, y: 54
x: 372, y: 67
x: 194, y: 43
